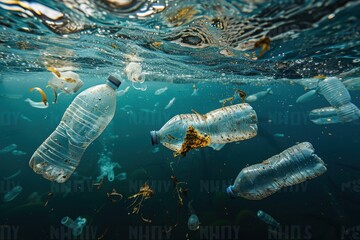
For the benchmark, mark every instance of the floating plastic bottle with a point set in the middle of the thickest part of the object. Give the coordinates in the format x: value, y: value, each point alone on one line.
x: 256, y: 96
x: 193, y: 221
x: 84, y: 120
x: 352, y: 84
x: 334, y: 92
x: 9, y: 148
x: 266, y: 218
x: 325, y: 115
x: 292, y: 166
x: 341, y: 110
x: 76, y: 226
x: 12, y: 194
x: 307, y: 97
x: 187, y: 131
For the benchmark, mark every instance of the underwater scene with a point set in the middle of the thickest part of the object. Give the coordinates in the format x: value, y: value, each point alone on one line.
x: 163, y: 119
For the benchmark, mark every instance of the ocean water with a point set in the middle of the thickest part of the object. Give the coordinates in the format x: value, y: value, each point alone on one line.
x: 214, y: 46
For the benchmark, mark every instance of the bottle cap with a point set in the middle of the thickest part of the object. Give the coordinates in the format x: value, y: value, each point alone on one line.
x: 230, y: 192
x: 154, y: 138
x: 114, y: 81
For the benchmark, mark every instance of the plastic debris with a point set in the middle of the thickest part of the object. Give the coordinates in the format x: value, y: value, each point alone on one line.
x: 12, y: 194
x: 76, y: 226
x: 67, y: 81
x: 266, y: 218
x: 188, y: 131
x: 161, y: 91
x: 193, y: 221
x: 256, y: 96
x: 292, y: 166
x: 107, y: 167
x: 42, y: 93
x: 341, y: 110
x: 8, y: 148
x: 171, y: 102
x: 58, y: 156
x: 307, y: 97
x: 122, y: 92
x: 36, y: 104
x: 18, y: 153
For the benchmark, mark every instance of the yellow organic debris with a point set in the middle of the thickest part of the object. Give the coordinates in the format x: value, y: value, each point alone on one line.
x: 43, y: 95
x: 192, y: 140
x: 54, y: 71
x: 264, y: 43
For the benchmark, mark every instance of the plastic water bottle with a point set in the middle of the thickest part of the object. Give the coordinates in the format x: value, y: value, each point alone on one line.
x: 325, y: 115
x: 266, y: 218
x: 84, y: 120
x: 223, y: 125
x: 334, y: 92
x: 341, y: 110
x: 292, y: 166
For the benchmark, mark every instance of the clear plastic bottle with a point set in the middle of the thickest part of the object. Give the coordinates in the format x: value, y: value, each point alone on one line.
x: 84, y: 120
x: 325, y: 115
x: 341, y: 110
x: 334, y: 91
x: 223, y: 125
x: 292, y: 166
x: 266, y: 218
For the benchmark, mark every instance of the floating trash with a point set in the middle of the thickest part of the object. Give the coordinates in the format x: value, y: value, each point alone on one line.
x: 256, y: 96
x: 155, y: 150
x: 280, y: 135
x: 161, y: 91
x: 266, y: 218
x: 193, y: 221
x: 76, y: 226
x: 195, y: 91
x: 58, y: 156
x: 122, y: 92
x: 171, y: 102
x: 121, y: 176
x: 18, y: 153
x: 67, y: 81
x: 133, y: 71
x: 9, y: 148
x: 107, y: 167
x: 55, y: 93
x: 292, y: 166
x: 36, y: 104
x: 42, y: 93
x: 341, y: 110
x: 352, y: 84
x: 12, y: 194
x: 188, y: 131
x: 308, y: 96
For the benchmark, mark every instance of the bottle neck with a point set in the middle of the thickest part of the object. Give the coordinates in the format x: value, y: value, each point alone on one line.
x: 154, y: 137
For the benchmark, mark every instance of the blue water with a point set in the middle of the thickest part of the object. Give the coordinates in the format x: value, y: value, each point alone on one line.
x: 322, y: 208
